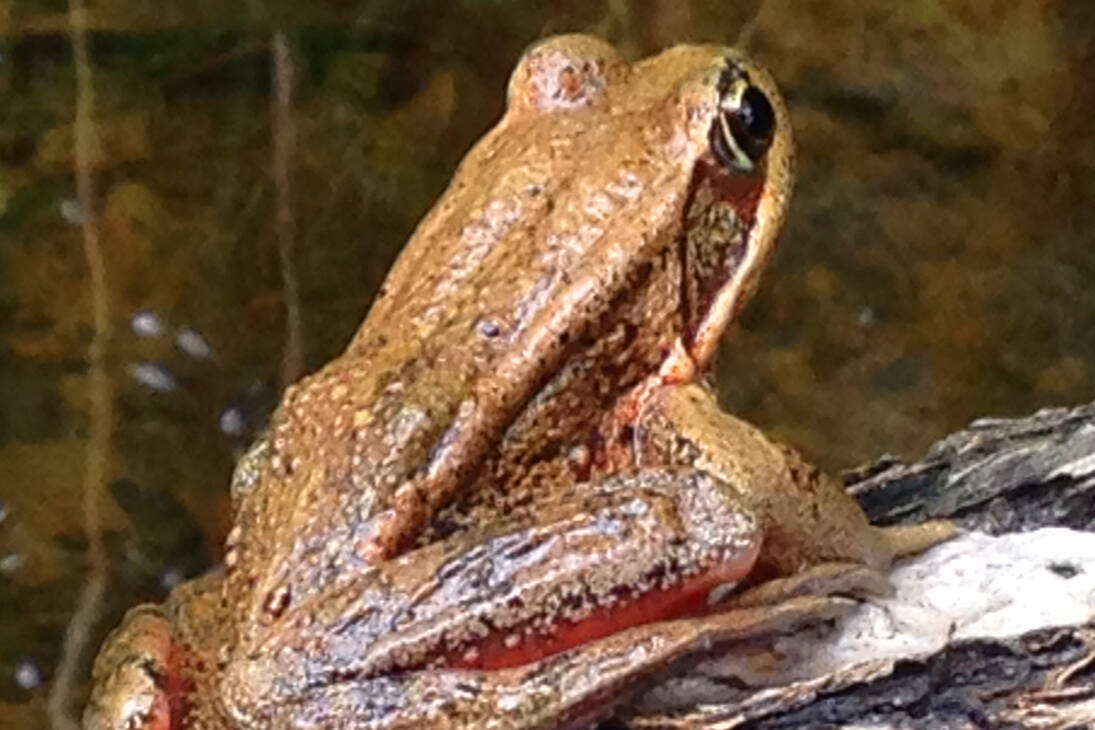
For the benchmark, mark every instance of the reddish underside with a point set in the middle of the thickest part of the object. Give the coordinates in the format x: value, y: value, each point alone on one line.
x: 177, y: 689
x: 686, y: 600
x: 168, y: 709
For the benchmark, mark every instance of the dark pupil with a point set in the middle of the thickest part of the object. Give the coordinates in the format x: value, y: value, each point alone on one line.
x: 756, y: 115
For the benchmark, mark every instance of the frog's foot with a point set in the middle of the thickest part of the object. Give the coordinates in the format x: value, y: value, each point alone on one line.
x: 826, y: 579
x: 846, y: 578
x: 137, y: 677
x: 905, y: 540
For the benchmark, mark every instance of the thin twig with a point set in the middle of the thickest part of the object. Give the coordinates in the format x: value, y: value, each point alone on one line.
x: 284, y: 139
x: 100, y: 397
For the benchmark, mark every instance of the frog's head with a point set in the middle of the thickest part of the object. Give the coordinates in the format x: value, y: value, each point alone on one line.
x: 704, y: 132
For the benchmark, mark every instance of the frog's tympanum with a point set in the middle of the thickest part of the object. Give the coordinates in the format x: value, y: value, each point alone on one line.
x: 513, y: 496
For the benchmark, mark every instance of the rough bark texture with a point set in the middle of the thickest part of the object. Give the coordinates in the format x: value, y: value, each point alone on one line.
x: 998, y: 477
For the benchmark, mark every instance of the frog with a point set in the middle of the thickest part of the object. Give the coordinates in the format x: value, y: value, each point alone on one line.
x: 513, y: 496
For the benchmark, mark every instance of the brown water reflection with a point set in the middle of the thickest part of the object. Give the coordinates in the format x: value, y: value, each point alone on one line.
x: 937, y: 266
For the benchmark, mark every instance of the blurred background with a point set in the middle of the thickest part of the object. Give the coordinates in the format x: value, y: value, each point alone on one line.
x: 937, y: 267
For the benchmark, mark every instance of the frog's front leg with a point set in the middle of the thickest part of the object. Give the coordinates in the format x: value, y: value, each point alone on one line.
x: 518, y: 626
x: 816, y: 535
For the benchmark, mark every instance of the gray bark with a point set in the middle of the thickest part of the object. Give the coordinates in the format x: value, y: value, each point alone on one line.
x: 991, y: 630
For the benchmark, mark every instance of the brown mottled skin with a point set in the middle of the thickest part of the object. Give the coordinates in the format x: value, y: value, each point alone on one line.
x: 513, y: 449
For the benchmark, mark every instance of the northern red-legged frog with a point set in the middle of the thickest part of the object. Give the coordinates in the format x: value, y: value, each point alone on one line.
x: 513, y: 495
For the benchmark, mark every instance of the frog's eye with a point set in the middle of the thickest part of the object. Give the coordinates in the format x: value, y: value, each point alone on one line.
x: 743, y: 129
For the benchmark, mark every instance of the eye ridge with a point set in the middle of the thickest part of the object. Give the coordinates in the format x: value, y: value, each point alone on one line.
x: 732, y: 74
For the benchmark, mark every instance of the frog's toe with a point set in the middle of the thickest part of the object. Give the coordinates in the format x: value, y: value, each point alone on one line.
x: 136, y: 679
x: 905, y: 540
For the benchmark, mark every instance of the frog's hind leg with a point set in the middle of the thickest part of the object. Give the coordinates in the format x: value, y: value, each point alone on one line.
x: 815, y: 533
x: 570, y: 690
x: 590, y: 680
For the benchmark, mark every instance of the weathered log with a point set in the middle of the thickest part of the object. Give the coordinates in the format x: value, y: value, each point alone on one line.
x: 993, y: 629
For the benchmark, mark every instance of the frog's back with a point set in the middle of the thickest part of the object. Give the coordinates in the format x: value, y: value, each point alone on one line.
x: 547, y: 221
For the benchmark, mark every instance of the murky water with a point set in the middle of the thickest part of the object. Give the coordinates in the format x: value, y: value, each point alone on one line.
x: 937, y: 266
